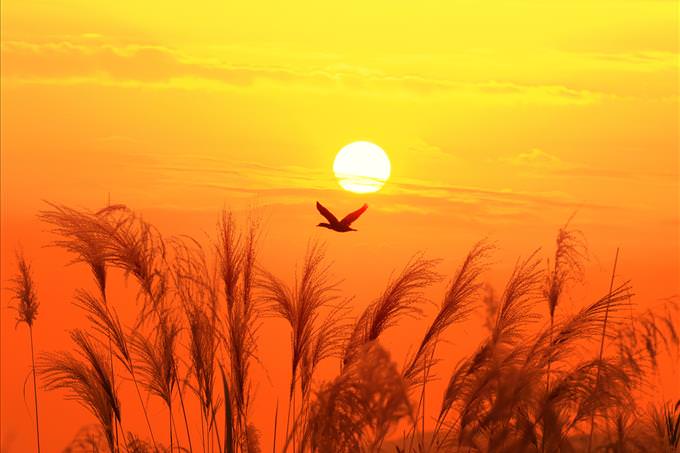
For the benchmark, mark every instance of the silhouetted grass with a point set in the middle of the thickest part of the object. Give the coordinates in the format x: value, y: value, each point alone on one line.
x: 401, y: 298
x: 357, y: 410
x: 312, y: 340
x: 24, y: 293
x: 535, y: 383
x: 236, y: 261
x: 87, y: 378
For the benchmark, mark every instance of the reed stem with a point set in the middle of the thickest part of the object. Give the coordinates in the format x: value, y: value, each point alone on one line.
x: 35, y: 388
x: 604, y: 333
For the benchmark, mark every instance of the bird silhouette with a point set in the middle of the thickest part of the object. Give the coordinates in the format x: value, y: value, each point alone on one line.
x: 341, y: 226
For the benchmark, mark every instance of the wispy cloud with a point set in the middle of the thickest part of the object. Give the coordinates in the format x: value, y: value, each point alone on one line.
x: 93, y: 61
x: 537, y: 158
x: 425, y: 150
x: 543, y: 164
x: 299, y: 185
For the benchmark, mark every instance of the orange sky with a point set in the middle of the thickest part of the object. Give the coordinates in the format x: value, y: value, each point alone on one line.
x: 501, y: 119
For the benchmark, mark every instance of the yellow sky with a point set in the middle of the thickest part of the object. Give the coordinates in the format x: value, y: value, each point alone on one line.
x: 511, y: 96
x: 501, y: 118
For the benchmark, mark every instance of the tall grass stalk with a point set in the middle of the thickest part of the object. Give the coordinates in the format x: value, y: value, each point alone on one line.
x: 525, y: 388
x: 499, y: 351
x: 276, y: 425
x: 27, y: 311
x: 604, y: 334
x: 156, y: 363
x: 567, y: 265
x: 456, y: 306
x: 87, y: 379
x: 300, y: 306
x: 237, y: 269
x: 84, y: 234
x: 401, y: 298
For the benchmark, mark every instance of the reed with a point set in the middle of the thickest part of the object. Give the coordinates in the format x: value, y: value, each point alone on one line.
x: 300, y: 305
x: 500, y: 354
x: 105, y: 321
x: 456, y: 306
x: 604, y: 334
x: 27, y: 304
x: 237, y: 263
x: 156, y: 361
x: 532, y: 384
x: 570, y: 252
x: 195, y: 288
x: 81, y: 234
x: 357, y: 410
x: 401, y: 298
x: 86, y: 377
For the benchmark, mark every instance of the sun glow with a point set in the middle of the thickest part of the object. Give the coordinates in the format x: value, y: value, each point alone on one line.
x: 362, y: 167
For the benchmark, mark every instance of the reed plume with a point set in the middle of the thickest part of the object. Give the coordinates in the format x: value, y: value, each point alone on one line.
x: 497, y: 392
x: 230, y: 256
x: 357, y: 410
x: 27, y: 304
x: 236, y: 257
x: 591, y: 386
x: 570, y: 252
x: 86, y: 235
x: 87, y: 379
x: 91, y: 439
x: 517, y: 302
x: 475, y: 379
x: 300, y: 306
x: 134, y: 444
x: 456, y: 306
x: 567, y: 265
x: 88, y: 439
x: 400, y: 299
x: 195, y: 285
x: 655, y: 428
x: 83, y: 234
x: 586, y: 325
x: 639, y: 344
x: 155, y: 362
x: 649, y: 334
x: 24, y: 293
x: 137, y: 248
x: 105, y: 321
x: 527, y: 387
x: 328, y: 341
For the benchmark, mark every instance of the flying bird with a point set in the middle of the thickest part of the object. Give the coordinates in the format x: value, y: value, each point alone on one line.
x: 341, y: 226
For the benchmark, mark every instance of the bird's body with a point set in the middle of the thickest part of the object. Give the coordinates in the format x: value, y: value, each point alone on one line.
x: 341, y: 226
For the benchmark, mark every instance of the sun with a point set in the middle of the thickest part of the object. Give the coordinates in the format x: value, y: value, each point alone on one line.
x: 362, y: 167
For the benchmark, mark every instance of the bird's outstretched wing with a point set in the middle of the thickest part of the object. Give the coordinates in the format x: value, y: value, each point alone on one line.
x: 326, y: 213
x: 352, y: 216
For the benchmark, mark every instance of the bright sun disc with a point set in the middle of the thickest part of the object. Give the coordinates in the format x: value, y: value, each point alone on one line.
x: 362, y: 167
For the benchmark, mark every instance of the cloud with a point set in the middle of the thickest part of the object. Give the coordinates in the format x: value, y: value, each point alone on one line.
x: 610, y: 173
x: 537, y: 158
x: 649, y: 61
x: 299, y: 185
x: 428, y: 189
x: 429, y: 152
x: 543, y: 163
x: 94, y: 61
